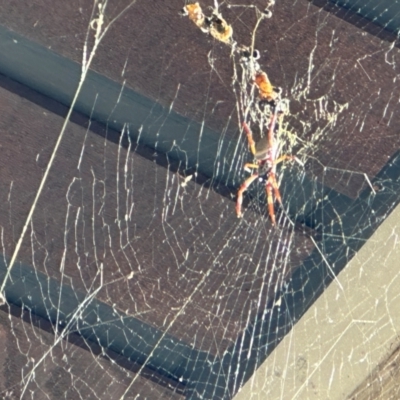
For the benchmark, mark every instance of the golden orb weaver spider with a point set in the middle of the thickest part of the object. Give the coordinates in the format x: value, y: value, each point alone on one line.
x: 265, y: 152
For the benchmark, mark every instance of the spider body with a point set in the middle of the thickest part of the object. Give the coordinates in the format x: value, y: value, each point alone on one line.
x: 263, y: 156
x: 265, y: 162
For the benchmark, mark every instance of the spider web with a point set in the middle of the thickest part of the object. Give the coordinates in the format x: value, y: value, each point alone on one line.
x: 125, y: 272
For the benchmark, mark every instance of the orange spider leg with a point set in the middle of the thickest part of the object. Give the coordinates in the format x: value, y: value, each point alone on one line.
x: 242, y: 189
x: 250, y: 165
x: 249, y: 134
x: 271, y: 211
x: 284, y: 158
x: 273, y: 184
x: 272, y: 176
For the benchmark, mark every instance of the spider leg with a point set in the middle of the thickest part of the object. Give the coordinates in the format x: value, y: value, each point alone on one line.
x: 250, y: 166
x: 284, y: 158
x: 270, y: 199
x: 274, y: 185
x: 242, y: 189
x: 249, y: 134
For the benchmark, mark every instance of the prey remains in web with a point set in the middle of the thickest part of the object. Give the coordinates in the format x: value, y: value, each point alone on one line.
x: 214, y: 24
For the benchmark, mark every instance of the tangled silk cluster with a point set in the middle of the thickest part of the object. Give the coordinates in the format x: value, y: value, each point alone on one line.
x: 215, y: 25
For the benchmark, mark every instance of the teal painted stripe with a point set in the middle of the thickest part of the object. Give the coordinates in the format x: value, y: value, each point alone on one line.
x: 385, y: 13
x: 76, y: 312
x: 210, y: 153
